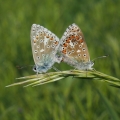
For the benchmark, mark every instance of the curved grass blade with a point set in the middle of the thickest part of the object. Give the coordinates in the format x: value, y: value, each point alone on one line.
x: 39, y: 79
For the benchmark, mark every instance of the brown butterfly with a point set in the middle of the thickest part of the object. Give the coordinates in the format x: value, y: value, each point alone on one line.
x: 44, y: 48
x: 74, y: 50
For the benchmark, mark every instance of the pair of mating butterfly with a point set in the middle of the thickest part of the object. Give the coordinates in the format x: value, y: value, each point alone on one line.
x: 72, y: 48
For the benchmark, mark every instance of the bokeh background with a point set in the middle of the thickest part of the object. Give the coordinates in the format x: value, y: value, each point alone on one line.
x: 67, y: 99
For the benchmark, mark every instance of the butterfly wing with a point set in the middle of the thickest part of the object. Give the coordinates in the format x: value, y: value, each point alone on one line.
x: 44, y: 44
x: 73, y: 45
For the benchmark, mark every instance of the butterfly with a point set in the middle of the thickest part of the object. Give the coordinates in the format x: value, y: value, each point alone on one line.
x: 44, y: 48
x: 73, y: 49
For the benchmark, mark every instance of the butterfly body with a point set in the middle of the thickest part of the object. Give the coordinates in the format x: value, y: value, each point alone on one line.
x: 74, y: 49
x: 44, y: 48
x: 79, y: 65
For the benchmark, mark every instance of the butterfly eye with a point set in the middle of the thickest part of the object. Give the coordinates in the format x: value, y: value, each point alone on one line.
x: 34, y: 68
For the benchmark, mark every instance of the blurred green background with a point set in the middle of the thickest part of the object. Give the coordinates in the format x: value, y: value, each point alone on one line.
x: 68, y: 99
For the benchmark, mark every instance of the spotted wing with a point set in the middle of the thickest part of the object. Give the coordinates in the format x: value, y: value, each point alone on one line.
x: 73, y: 44
x: 44, y: 43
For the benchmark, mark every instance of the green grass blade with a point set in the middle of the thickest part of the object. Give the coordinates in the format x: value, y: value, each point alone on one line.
x: 40, y: 79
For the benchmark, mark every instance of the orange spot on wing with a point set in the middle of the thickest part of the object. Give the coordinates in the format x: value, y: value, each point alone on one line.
x: 65, y: 44
x: 37, y: 37
x: 47, y: 36
x: 64, y: 51
x: 34, y: 40
x: 56, y: 43
x: 51, y: 38
x: 77, y: 37
x: 72, y: 37
x: 81, y: 40
x: 68, y: 40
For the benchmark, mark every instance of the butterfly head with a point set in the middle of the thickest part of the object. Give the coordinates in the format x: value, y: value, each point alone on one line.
x: 41, y: 69
x: 85, y: 66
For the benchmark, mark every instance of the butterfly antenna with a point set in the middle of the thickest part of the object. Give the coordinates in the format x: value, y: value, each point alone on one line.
x: 21, y: 67
x: 100, y: 57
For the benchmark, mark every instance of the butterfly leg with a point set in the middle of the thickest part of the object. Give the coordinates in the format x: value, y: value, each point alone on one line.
x: 94, y: 69
x: 86, y: 72
x: 55, y: 69
x: 71, y: 71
